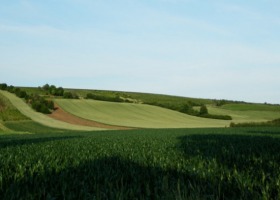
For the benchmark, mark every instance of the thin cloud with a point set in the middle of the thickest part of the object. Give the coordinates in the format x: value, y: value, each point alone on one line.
x: 41, y: 30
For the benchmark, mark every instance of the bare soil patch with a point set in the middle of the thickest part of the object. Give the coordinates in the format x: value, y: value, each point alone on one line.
x: 64, y: 116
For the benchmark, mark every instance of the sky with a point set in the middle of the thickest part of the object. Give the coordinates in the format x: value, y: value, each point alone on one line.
x: 214, y: 49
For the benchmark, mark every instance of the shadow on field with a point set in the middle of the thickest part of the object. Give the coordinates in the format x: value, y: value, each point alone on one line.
x: 106, y: 178
x: 239, y: 152
x: 18, y: 140
x: 116, y: 178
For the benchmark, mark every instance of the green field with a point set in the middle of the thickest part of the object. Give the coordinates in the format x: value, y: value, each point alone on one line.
x: 146, y: 116
x: 252, y: 107
x: 39, y: 117
x: 134, y: 115
x: 246, y: 113
x: 225, y: 163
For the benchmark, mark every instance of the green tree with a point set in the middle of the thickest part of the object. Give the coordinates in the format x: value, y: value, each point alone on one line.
x: 46, y: 87
x: 203, y: 110
x: 3, y: 86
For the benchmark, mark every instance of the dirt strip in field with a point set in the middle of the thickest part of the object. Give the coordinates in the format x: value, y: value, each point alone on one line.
x: 61, y: 115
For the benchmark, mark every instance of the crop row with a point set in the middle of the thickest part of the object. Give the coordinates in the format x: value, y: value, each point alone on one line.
x: 240, y: 163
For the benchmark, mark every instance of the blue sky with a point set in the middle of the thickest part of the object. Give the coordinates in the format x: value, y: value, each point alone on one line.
x: 196, y: 48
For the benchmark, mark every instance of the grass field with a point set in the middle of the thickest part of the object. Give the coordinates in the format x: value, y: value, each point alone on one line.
x: 225, y: 163
x: 247, y: 113
x: 252, y: 107
x: 134, y: 115
x: 8, y: 112
x: 145, y: 116
x: 41, y: 118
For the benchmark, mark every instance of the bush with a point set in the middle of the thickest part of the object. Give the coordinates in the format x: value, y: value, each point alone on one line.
x: 10, y: 89
x: 203, y: 110
x: 104, y: 98
x: 222, y: 117
x: 53, y: 90
x: 70, y: 95
x: 40, y: 104
x: 19, y: 93
x: 275, y: 122
x: 3, y: 86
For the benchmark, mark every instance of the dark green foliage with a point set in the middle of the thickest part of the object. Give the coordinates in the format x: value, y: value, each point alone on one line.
x: 224, y: 102
x: 220, y: 102
x: 37, y: 102
x: 19, y: 93
x: 46, y: 87
x: 275, y: 122
x: 40, y: 104
x: 53, y: 90
x: 240, y: 163
x: 70, y: 95
x: 222, y: 117
x: 186, y: 108
x: 10, y: 89
x: 3, y: 86
x: 115, y: 98
x: 203, y: 110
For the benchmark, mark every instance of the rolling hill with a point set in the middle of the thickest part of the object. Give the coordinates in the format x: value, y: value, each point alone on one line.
x: 86, y: 114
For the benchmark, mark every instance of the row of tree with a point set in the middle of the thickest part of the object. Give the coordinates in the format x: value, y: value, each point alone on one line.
x: 58, y: 91
x: 115, y: 98
x: 53, y: 90
x: 275, y: 122
x: 12, y: 89
x: 188, y: 108
x: 38, y: 103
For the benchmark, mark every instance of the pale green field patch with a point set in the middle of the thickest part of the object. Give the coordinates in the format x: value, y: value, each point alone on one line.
x: 135, y: 115
x: 244, y: 115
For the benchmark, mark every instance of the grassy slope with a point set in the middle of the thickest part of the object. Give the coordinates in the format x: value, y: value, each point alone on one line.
x: 135, y: 115
x: 241, y: 112
x: 252, y: 107
x: 41, y: 118
x: 145, y: 116
x: 247, y: 113
x: 8, y: 112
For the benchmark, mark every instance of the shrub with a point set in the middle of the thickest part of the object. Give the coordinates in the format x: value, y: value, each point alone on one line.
x: 104, y: 98
x: 40, y: 104
x: 10, y: 89
x: 203, y: 110
x: 275, y: 122
x: 3, y: 86
x: 70, y: 95
x: 53, y: 90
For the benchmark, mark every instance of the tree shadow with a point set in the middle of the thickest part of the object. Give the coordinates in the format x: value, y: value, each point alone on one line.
x: 247, y: 164
x: 105, y: 178
x: 233, y: 151
x: 117, y: 178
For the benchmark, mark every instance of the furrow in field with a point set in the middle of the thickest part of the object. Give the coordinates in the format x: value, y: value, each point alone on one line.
x: 61, y: 115
x: 134, y: 115
x: 41, y: 118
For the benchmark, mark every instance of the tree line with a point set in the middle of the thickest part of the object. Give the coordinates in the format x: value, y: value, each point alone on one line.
x: 39, y: 103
